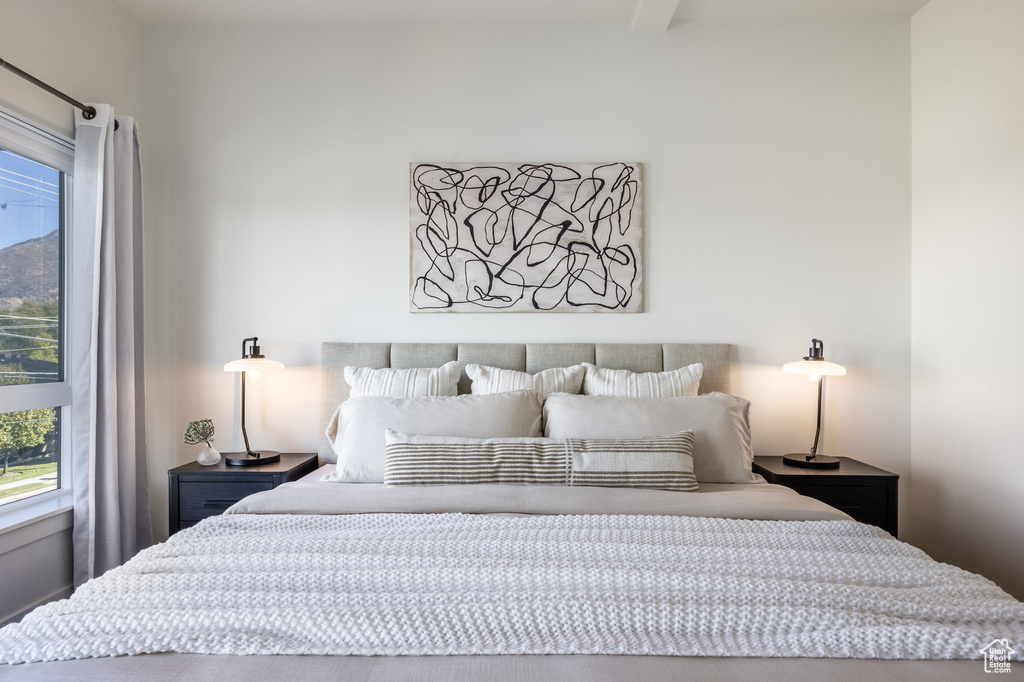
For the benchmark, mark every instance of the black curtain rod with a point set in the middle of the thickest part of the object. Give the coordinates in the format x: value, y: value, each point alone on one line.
x: 88, y: 112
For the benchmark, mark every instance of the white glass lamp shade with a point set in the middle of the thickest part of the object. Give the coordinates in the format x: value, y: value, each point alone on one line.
x: 814, y: 368
x: 253, y: 365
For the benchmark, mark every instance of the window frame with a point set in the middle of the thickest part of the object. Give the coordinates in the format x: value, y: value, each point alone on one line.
x: 57, y: 151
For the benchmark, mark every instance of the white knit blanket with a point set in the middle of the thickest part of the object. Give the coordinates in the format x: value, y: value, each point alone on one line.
x: 472, y: 584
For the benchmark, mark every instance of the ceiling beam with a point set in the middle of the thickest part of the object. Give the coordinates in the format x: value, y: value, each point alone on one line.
x: 654, y: 15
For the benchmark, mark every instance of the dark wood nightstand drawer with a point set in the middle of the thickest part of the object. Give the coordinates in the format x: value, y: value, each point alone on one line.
x: 867, y: 504
x: 198, y: 500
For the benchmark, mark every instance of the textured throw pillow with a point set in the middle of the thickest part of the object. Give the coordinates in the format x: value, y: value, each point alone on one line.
x: 660, y: 462
x: 722, y: 451
x: 488, y: 380
x: 404, y: 383
x: 623, y: 383
x: 356, y: 430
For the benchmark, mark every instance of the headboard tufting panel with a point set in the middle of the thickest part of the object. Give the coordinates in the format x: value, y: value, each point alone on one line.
x: 530, y: 357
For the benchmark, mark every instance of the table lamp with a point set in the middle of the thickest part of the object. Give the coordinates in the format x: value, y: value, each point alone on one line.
x: 251, y: 361
x: 816, y: 368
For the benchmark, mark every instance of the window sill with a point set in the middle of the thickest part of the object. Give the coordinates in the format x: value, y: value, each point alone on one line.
x: 14, y: 515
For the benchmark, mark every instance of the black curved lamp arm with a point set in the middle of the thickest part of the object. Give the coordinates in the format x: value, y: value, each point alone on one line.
x: 817, y: 352
x: 254, y: 352
x: 245, y: 435
x: 817, y: 430
x: 254, y: 349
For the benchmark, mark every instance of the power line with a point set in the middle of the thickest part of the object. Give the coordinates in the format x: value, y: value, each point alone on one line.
x: 22, y: 336
x: 37, y: 196
x: 29, y: 421
x: 25, y: 184
x: 22, y: 203
x: 26, y: 317
x: 29, y: 177
x: 8, y: 152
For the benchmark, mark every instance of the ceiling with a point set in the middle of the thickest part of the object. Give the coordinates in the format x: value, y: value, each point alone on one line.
x: 500, y: 11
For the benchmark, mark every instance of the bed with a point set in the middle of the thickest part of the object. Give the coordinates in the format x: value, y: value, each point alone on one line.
x: 362, y: 580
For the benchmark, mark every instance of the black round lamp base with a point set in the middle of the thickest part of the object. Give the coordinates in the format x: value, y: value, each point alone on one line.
x: 817, y: 462
x: 244, y: 459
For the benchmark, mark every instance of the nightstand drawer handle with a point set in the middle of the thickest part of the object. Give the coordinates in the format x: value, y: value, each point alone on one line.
x: 218, y: 504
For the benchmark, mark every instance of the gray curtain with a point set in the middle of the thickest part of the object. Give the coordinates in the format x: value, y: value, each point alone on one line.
x: 108, y: 429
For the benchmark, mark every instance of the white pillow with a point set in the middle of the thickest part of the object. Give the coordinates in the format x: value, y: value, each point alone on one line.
x: 356, y: 429
x: 623, y: 383
x: 404, y: 383
x: 722, y: 450
x: 488, y: 380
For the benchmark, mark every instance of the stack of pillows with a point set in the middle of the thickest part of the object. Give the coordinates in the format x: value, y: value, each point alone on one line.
x: 406, y: 427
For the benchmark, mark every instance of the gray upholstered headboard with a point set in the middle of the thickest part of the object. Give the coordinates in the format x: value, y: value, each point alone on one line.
x: 525, y: 357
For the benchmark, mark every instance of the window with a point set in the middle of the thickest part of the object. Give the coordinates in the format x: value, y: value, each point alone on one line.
x: 35, y: 394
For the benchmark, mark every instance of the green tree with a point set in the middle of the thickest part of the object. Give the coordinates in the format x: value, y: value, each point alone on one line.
x: 34, y: 314
x: 29, y: 333
x: 22, y: 429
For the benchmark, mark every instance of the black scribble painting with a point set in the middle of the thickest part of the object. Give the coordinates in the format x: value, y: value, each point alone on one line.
x: 540, y: 237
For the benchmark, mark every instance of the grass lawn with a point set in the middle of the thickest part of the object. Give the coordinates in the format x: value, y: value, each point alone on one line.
x: 27, y: 471
x: 18, y: 490
x: 23, y: 472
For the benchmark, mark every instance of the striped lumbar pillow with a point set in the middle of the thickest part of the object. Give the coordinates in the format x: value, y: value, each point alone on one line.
x: 489, y: 380
x: 660, y: 462
x: 622, y: 383
x: 404, y: 383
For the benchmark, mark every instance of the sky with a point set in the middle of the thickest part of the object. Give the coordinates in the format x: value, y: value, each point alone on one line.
x: 29, y: 199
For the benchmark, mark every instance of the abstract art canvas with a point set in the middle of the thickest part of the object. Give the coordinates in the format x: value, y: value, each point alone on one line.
x: 526, y: 237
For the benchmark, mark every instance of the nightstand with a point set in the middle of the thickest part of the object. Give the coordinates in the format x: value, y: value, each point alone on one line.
x: 198, y: 491
x: 866, y: 493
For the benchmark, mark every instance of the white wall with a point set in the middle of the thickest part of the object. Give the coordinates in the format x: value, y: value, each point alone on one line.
x: 967, y: 285
x: 36, y: 561
x: 91, y: 50
x: 777, y: 172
